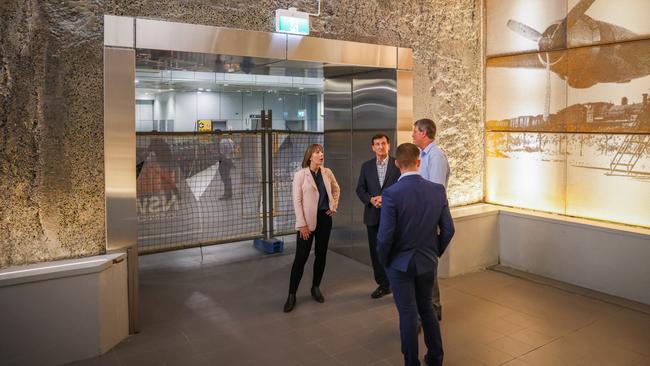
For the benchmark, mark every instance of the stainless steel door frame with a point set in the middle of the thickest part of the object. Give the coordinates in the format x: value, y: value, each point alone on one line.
x: 123, y: 35
x: 119, y: 165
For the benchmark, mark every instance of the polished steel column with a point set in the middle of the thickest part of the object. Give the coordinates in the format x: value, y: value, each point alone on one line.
x: 119, y: 164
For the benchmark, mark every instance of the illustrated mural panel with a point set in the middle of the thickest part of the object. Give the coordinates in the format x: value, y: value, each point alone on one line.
x: 593, y: 22
x: 515, y: 26
x: 526, y: 92
x: 527, y: 170
x: 608, y: 177
x: 608, y: 88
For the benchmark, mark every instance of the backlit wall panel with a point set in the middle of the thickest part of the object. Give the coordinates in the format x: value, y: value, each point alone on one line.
x: 523, y: 95
x: 527, y: 170
x: 515, y: 26
x: 601, y: 184
x: 607, y: 21
x: 568, y: 121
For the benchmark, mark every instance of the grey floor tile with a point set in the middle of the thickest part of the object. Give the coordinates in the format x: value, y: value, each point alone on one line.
x: 227, y: 310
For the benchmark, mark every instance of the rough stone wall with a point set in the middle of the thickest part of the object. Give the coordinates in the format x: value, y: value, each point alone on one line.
x: 51, y: 131
x: 51, y: 99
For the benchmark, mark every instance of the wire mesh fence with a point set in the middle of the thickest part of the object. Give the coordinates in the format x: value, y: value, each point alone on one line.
x: 288, y: 152
x: 202, y: 189
x: 197, y: 189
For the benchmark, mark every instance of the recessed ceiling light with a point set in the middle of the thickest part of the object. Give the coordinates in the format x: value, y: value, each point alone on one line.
x: 137, y: 81
x: 201, y: 89
x: 225, y: 84
x: 198, y: 92
x: 208, y: 89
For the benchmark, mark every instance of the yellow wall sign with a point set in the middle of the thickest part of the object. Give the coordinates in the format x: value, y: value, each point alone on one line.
x: 204, y: 125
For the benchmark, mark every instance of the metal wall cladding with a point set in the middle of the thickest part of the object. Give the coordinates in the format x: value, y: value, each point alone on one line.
x: 356, y: 108
x: 119, y: 140
x: 337, y: 99
x: 374, y: 98
x: 159, y: 35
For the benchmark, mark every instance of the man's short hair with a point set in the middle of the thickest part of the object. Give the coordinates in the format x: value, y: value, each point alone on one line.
x: 407, y: 155
x: 427, y: 126
x: 379, y: 136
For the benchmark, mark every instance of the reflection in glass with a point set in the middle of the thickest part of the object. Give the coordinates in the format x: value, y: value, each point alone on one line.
x: 180, y: 101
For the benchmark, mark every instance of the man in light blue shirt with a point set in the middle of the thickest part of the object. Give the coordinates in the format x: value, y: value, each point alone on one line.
x: 434, y: 167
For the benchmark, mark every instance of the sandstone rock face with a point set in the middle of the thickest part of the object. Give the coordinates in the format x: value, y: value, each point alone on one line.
x: 51, y: 99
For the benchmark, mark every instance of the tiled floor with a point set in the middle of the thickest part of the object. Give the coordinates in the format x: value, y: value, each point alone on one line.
x: 214, y: 313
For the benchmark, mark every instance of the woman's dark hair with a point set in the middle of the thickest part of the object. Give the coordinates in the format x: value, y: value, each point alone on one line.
x: 310, y: 150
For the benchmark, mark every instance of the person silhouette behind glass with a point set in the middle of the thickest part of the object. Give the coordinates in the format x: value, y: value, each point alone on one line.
x: 226, y: 148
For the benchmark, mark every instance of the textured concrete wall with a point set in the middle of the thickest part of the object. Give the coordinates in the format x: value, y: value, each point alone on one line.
x: 51, y: 131
x: 51, y: 143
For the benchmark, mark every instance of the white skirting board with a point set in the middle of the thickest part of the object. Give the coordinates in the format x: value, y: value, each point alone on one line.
x: 57, y: 312
x: 613, y: 259
x: 610, y: 258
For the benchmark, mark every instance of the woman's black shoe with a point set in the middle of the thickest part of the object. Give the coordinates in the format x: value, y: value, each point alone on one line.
x: 290, y: 304
x: 316, y: 294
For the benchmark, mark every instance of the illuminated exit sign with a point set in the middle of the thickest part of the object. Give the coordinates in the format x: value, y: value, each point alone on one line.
x: 292, y: 21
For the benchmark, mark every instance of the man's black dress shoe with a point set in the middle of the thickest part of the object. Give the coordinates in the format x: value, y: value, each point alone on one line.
x: 434, y: 362
x: 290, y: 304
x: 381, y: 291
x: 316, y: 294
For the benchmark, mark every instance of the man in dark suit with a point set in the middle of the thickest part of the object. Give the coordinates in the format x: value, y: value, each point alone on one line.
x: 376, y: 175
x: 414, y: 230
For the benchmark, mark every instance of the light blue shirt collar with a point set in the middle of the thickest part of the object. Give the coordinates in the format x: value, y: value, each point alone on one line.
x: 407, y: 174
x: 428, y: 148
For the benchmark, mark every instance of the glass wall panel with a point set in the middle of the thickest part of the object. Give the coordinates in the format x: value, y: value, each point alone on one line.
x: 569, y: 130
x: 596, y: 22
x: 526, y: 92
x: 526, y: 170
x: 608, y: 177
x: 608, y: 88
x: 525, y: 25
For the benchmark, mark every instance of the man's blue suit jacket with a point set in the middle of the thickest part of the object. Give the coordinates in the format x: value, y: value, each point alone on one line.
x: 413, y: 209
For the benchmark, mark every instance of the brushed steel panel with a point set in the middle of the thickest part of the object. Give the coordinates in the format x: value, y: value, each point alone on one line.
x: 119, y: 148
x: 374, y: 110
x: 155, y: 34
x: 404, y: 106
x: 300, y: 48
x: 404, y: 58
x: 337, y: 157
x: 374, y: 100
x: 118, y: 31
x: 337, y: 100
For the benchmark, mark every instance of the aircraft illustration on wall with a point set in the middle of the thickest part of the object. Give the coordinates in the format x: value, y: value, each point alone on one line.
x: 586, y: 66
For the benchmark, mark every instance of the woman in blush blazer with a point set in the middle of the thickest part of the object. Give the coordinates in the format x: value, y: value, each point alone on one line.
x: 315, y: 199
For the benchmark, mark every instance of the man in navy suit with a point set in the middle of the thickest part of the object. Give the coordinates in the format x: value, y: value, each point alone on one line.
x: 414, y: 230
x: 376, y: 175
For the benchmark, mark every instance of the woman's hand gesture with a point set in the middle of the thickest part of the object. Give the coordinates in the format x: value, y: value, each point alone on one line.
x: 304, y: 232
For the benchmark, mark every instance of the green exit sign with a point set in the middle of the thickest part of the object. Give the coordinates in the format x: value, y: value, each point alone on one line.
x: 291, y: 21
